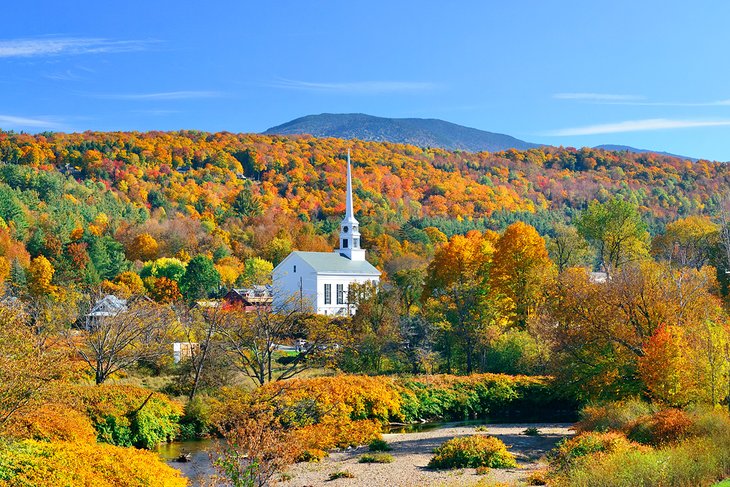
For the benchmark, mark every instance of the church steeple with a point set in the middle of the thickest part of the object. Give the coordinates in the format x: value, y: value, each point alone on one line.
x: 349, y: 228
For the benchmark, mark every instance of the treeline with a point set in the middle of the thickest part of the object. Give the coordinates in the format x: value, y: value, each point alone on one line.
x: 96, y: 205
x: 476, y: 248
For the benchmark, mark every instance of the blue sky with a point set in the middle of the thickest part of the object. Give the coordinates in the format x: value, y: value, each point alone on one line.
x: 650, y: 74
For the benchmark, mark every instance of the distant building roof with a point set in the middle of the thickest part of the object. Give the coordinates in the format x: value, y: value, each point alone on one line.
x: 598, y: 277
x: 109, y: 305
x: 254, y: 295
x: 333, y: 263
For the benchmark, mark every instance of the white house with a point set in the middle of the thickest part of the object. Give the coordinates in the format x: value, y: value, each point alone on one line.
x: 106, y: 307
x: 321, y: 280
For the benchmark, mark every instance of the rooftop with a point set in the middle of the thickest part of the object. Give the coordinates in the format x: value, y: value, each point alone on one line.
x: 333, y: 263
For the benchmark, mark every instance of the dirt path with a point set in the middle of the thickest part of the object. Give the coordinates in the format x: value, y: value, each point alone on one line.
x: 412, y: 451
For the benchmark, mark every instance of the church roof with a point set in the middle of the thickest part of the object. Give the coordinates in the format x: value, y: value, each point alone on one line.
x: 333, y: 263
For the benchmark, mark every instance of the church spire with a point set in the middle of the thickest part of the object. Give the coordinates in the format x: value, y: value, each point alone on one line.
x: 349, y: 231
x: 349, y: 212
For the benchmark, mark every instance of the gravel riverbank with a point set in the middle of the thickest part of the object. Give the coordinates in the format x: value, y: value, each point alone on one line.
x: 412, y: 451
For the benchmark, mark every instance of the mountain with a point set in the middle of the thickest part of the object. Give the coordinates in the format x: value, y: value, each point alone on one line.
x: 613, y: 147
x: 422, y: 132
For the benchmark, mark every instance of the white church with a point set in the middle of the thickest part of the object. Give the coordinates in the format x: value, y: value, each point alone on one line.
x: 320, y: 280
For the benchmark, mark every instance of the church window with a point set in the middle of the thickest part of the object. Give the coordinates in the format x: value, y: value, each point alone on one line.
x: 340, y: 294
x: 344, y: 243
x: 328, y: 294
x: 295, y: 268
x: 344, y: 229
x: 355, y: 243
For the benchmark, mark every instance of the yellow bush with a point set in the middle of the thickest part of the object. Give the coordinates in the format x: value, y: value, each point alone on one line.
x: 40, y: 464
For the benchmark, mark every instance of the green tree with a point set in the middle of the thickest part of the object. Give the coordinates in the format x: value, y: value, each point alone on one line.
x: 200, y: 279
x: 108, y: 257
x: 168, y: 267
x: 616, y: 230
x: 256, y: 271
x: 567, y: 248
x: 246, y: 204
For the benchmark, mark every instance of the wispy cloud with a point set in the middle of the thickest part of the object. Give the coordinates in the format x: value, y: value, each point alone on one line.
x: 76, y: 73
x: 161, y: 96
x: 67, y: 75
x: 13, y: 122
x: 635, y: 100
x: 357, y: 87
x: 597, y: 97
x: 56, y: 46
x: 636, y: 126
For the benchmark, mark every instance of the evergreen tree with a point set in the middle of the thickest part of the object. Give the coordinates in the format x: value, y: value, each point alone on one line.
x: 200, y: 279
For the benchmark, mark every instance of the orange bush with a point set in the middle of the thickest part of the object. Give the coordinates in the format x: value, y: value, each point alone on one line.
x: 663, y: 427
x: 52, y: 422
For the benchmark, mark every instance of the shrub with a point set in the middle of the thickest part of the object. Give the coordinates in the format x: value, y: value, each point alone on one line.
x: 342, y: 474
x: 477, y: 395
x: 42, y: 464
x: 51, y: 422
x: 667, y: 426
x: 481, y: 428
x: 483, y: 470
x: 312, y: 455
x: 337, y: 433
x: 538, y: 477
x: 379, y: 445
x: 710, y: 422
x: 195, y: 422
x: 473, y: 451
x: 692, y: 462
x: 531, y: 431
x: 376, y: 458
x: 569, y: 452
x: 127, y: 415
x: 613, y: 416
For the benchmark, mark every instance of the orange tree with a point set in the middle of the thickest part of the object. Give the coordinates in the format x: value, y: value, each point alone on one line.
x: 27, y: 366
x: 455, y: 293
x: 519, y: 272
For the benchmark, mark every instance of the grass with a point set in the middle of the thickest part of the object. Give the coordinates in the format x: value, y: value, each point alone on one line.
x: 342, y: 474
x: 682, y: 453
x: 379, y: 445
x: 376, y: 458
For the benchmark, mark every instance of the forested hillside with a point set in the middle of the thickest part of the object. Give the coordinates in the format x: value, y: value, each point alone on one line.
x: 93, y: 204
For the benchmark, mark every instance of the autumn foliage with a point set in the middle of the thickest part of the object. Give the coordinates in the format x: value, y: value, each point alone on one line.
x: 44, y: 464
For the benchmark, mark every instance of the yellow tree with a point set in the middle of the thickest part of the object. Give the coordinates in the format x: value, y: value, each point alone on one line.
x: 40, y: 276
x: 520, y: 268
x: 143, y: 247
x: 599, y: 332
x: 688, y: 241
x: 132, y: 282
